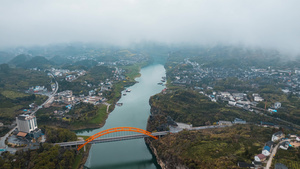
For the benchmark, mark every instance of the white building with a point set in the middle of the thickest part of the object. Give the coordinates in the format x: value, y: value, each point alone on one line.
x: 265, y: 152
x: 239, y: 121
x: 258, y: 99
x: 26, y: 123
x: 225, y: 94
x: 277, y: 105
x: 278, y: 135
x: 260, y: 157
x: 231, y: 102
x: 284, y: 145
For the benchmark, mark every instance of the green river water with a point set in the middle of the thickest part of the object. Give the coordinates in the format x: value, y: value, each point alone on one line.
x: 129, y: 154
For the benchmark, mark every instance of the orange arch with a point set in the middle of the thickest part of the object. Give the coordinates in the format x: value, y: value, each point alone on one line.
x: 116, y: 129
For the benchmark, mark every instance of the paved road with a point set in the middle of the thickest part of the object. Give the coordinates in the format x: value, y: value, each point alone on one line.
x: 111, y: 139
x: 269, y: 163
x: 136, y: 136
x: 107, y: 106
x: 260, y: 109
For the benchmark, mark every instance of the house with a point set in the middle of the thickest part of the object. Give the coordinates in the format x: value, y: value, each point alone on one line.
x: 272, y: 110
x: 258, y: 99
x: 278, y: 135
x: 239, y: 96
x: 239, y: 121
x: 245, y: 165
x: 260, y: 157
x: 225, y: 94
x: 270, y: 144
x: 266, y: 151
x: 292, y: 136
x: 231, y: 102
x: 277, y: 105
x: 70, y: 77
x: 224, y: 123
x: 285, y: 145
x: 92, y: 92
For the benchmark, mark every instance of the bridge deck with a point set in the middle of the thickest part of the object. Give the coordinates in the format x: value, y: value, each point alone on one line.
x: 111, y: 139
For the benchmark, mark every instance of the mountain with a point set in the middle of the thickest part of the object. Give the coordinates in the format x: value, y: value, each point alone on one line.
x: 60, y: 60
x: 20, y: 59
x: 5, y: 57
x: 86, y: 63
x: 37, y: 61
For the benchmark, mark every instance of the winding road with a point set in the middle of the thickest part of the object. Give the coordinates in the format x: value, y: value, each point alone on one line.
x: 269, y: 163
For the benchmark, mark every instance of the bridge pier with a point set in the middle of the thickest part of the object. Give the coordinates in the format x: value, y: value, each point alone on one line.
x: 84, y: 149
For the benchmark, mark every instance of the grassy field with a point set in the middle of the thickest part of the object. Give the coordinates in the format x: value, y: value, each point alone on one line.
x: 97, y: 120
x: 13, y: 94
x: 101, y: 116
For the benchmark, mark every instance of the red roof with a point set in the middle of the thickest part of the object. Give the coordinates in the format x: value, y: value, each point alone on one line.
x: 261, y: 156
x: 22, y: 134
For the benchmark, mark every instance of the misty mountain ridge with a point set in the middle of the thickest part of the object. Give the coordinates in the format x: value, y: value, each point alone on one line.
x: 214, y: 55
x: 25, y: 61
x: 60, y: 60
x: 19, y: 59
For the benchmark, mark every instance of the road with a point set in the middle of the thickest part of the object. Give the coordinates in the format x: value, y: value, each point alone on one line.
x: 269, y: 163
x: 260, y: 109
x: 136, y: 136
x: 177, y: 129
x: 2, y: 139
x: 107, y: 106
x: 112, y: 139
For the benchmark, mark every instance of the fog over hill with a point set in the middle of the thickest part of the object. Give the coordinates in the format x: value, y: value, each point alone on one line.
x: 263, y: 23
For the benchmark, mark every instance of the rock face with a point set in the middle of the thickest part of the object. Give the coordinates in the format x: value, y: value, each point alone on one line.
x: 154, y: 151
x: 166, y: 162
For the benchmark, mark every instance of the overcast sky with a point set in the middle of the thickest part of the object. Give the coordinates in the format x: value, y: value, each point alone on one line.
x: 266, y: 23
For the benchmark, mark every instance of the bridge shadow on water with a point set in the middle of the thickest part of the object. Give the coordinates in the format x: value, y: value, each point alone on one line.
x: 126, y: 165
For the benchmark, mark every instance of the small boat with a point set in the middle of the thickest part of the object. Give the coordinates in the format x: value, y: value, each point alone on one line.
x: 119, y: 104
x: 159, y: 83
x: 128, y: 90
x: 163, y: 81
x: 124, y: 94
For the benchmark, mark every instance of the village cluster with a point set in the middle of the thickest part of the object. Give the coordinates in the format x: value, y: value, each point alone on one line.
x: 28, y: 135
x: 241, y: 100
x: 195, y: 74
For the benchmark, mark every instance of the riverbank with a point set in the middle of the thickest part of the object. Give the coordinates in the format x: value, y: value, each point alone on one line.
x: 134, y: 113
x: 100, y: 120
x: 81, y: 158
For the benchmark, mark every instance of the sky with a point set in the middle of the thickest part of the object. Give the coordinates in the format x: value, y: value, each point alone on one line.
x: 263, y: 23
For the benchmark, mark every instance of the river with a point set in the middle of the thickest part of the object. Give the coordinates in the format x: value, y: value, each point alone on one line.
x: 129, y: 154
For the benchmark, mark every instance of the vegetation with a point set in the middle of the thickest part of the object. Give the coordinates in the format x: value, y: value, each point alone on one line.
x: 290, y: 157
x: 47, y: 156
x: 95, y: 76
x: 56, y: 135
x: 92, y: 118
x: 83, y: 114
x: 188, y: 106
x: 212, y: 148
x: 13, y: 83
x: 3, y: 131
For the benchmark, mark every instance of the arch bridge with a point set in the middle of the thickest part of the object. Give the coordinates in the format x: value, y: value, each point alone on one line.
x: 93, y: 138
